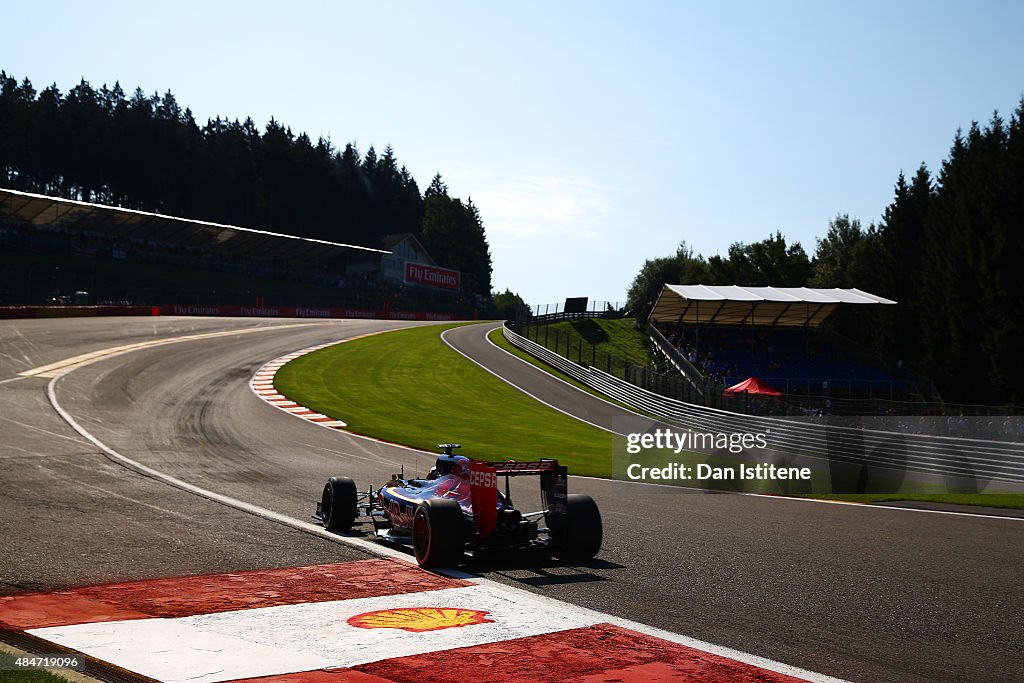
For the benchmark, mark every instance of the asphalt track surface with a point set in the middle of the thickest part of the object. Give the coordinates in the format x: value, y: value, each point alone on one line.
x: 860, y: 593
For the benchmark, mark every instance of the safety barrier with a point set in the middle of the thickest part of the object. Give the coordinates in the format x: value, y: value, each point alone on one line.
x: 894, y: 444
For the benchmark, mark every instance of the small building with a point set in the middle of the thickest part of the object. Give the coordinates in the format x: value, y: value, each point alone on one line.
x: 410, y: 264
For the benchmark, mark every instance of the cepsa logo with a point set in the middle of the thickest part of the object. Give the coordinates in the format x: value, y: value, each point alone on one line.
x: 483, y: 478
x: 511, y: 466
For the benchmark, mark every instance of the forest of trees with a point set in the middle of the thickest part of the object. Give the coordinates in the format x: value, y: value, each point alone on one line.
x: 949, y: 249
x: 147, y: 153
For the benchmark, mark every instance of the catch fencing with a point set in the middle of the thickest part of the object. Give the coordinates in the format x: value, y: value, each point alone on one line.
x: 550, y: 313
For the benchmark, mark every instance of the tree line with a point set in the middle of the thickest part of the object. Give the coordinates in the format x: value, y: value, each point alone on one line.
x: 949, y: 249
x: 145, y: 152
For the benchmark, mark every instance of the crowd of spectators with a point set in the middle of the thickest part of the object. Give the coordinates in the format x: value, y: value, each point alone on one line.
x: 711, y: 370
x: 810, y: 371
x: 727, y: 355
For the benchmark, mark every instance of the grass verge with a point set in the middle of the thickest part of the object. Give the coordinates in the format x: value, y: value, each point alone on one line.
x: 11, y: 674
x: 607, y: 344
x: 408, y: 387
x: 499, y: 340
x: 31, y: 676
x: 1010, y: 501
x: 619, y: 337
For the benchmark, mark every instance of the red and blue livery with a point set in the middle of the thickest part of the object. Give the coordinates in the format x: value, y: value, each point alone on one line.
x: 457, y: 509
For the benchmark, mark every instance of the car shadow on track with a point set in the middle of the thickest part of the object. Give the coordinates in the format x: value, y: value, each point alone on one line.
x: 525, y: 567
x: 541, y: 570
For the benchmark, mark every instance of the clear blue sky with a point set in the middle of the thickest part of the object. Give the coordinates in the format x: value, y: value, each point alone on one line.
x: 592, y: 135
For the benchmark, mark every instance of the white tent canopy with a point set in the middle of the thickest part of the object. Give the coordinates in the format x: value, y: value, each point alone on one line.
x: 769, y: 306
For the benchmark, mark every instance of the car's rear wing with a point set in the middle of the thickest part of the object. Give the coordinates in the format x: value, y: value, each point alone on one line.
x: 512, y: 468
x: 554, y: 483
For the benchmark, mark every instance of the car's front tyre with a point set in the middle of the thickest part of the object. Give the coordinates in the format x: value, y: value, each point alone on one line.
x: 338, y: 504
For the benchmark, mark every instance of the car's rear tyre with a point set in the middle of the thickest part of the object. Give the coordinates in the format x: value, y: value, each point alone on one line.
x: 338, y: 504
x: 580, y: 536
x: 438, y: 533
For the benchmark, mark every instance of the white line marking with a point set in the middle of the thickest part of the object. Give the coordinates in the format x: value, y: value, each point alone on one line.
x: 696, y: 488
x: 595, y: 395
x: 376, y: 549
x: 263, y: 513
x: 516, y: 386
x: 68, y: 364
x: 277, y: 363
x: 876, y: 506
x: 729, y: 653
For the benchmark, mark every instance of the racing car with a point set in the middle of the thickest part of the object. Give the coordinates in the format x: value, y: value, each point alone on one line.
x: 457, y: 508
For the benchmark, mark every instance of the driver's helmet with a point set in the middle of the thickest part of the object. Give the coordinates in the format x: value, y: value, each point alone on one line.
x: 450, y: 464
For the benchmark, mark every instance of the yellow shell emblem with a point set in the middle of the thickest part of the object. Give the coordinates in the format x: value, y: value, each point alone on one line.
x: 417, y: 619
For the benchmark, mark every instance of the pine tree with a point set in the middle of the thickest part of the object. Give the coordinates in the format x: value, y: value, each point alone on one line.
x: 436, y: 188
x: 454, y: 235
x: 147, y: 152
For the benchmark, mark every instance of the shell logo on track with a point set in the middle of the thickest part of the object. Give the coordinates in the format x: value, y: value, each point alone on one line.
x: 419, y: 619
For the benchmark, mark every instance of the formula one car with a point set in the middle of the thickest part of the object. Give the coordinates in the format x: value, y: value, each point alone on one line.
x: 457, y: 509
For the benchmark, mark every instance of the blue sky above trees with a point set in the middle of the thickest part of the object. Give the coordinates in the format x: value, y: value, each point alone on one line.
x: 591, y: 136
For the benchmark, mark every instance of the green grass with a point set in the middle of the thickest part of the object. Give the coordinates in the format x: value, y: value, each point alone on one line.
x: 618, y: 337
x: 31, y: 676
x: 9, y: 674
x: 408, y: 387
x: 598, y: 337
x: 994, y: 500
x: 499, y: 340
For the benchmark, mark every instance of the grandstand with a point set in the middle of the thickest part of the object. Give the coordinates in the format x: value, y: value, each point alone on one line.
x: 717, y: 336
x: 65, y: 251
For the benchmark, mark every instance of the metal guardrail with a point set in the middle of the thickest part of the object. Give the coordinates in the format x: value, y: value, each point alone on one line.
x: 845, y: 440
x: 553, y: 359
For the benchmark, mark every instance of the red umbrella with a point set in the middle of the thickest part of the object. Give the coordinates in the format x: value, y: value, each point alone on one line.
x: 752, y: 385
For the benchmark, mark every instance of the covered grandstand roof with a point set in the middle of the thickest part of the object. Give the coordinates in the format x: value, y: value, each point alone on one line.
x: 118, y: 223
x: 734, y: 305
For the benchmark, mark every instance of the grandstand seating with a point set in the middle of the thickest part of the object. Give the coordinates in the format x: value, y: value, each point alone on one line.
x: 792, y: 360
x: 43, y: 262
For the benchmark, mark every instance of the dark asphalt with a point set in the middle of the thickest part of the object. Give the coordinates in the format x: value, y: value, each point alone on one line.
x: 859, y: 593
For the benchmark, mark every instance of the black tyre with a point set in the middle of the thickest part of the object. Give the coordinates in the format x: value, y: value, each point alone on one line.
x: 580, y: 538
x: 438, y: 533
x: 338, y: 504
